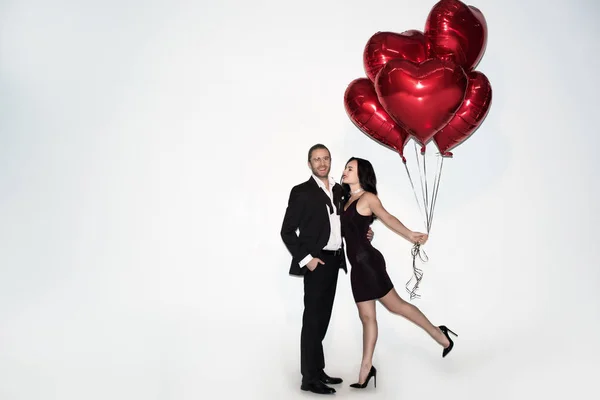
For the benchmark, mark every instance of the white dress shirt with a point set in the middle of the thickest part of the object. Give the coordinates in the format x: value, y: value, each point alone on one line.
x: 335, y: 237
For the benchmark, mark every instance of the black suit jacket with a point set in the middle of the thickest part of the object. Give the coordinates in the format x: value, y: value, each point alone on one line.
x: 308, y: 210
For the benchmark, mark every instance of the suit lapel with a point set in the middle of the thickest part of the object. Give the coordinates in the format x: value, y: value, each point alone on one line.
x: 338, y: 198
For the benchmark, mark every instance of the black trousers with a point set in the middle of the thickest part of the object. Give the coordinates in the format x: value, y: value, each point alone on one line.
x: 319, y: 293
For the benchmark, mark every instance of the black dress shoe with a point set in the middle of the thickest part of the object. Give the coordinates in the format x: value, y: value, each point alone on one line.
x: 317, y: 387
x: 329, y: 380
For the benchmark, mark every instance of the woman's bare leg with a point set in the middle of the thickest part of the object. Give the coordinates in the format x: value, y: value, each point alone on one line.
x: 366, y: 312
x: 396, y: 305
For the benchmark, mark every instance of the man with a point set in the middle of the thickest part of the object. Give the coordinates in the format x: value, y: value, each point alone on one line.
x: 314, y: 208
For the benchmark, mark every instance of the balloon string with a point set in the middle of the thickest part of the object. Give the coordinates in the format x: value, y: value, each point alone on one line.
x: 426, y: 193
x: 436, y: 184
x: 422, y: 187
x: 417, y: 251
x: 417, y: 272
x: 415, y: 193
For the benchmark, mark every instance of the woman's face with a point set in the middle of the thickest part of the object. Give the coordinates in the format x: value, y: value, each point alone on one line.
x: 350, y: 175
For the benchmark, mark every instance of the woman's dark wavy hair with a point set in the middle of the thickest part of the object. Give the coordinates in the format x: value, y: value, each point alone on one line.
x: 366, y: 178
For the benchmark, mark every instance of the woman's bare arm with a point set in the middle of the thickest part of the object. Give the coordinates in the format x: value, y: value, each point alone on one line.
x: 391, y: 221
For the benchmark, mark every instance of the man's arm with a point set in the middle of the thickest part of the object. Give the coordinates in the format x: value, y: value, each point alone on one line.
x: 291, y: 222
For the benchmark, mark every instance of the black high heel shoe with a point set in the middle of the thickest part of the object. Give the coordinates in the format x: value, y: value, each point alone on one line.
x: 445, y: 331
x: 373, y: 374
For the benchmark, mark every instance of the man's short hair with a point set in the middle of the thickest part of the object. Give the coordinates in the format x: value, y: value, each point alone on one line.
x: 316, y: 147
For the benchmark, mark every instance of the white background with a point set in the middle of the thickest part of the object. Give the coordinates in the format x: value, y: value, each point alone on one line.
x: 147, y: 150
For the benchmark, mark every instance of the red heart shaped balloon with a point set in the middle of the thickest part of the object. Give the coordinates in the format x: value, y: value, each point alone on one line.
x: 422, y: 97
x: 456, y: 32
x: 385, y: 46
x: 469, y: 116
x: 365, y: 111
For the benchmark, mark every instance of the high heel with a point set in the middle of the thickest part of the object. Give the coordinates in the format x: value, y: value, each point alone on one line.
x: 445, y: 331
x: 373, y: 374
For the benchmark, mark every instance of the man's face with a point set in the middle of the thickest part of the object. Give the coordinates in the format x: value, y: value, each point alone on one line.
x: 320, y: 163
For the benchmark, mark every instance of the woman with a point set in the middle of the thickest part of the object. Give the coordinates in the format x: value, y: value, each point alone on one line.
x: 368, y: 276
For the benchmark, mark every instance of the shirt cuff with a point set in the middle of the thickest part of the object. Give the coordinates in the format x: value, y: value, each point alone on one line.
x: 305, y: 260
